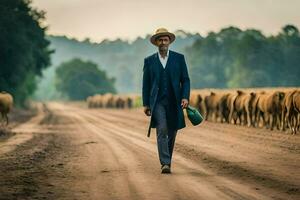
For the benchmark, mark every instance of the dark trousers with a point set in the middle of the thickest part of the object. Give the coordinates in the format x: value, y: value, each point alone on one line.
x: 165, y: 133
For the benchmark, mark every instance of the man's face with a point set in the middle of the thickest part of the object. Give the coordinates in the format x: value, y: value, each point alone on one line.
x: 163, y: 43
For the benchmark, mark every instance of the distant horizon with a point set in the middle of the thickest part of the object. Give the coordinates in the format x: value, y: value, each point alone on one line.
x: 145, y: 35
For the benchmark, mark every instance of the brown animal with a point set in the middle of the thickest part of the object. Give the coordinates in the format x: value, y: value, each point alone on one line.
x: 239, y: 107
x: 223, y: 109
x: 94, y: 101
x: 215, y: 106
x: 6, y: 104
x: 254, y: 108
x: 98, y: 101
x: 296, y: 105
x: 197, y: 101
x: 193, y: 99
x: 243, y: 107
x: 107, y: 100
x: 269, y: 107
x: 287, y: 114
x: 120, y: 102
x: 230, y: 104
x: 211, y: 103
x: 89, y: 101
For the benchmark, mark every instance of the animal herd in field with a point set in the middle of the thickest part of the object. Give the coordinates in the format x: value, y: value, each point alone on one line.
x: 109, y: 100
x: 6, y: 104
x: 278, y: 109
x: 270, y: 109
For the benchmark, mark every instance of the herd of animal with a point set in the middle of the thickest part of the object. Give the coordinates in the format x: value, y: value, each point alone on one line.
x: 270, y: 108
x: 109, y: 100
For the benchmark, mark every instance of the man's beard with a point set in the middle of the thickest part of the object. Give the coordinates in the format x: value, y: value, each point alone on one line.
x: 163, y: 48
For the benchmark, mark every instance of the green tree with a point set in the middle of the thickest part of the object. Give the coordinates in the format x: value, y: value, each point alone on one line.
x: 235, y: 58
x: 211, y: 57
x: 78, y: 79
x: 24, y: 50
x: 288, y: 41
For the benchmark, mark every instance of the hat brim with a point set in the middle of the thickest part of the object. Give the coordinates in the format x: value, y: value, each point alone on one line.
x: 155, y: 36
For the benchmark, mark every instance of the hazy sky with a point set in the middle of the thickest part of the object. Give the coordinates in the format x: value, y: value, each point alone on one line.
x: 127, y: 19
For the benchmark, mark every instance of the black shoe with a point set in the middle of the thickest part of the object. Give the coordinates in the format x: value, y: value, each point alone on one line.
x: 165, y: 169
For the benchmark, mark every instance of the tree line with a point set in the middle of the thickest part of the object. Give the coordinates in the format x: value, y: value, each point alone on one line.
x: 236, y: 58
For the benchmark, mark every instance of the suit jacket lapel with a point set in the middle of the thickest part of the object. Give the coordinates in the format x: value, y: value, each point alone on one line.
x: 169, y: 61
x: 158, y: 65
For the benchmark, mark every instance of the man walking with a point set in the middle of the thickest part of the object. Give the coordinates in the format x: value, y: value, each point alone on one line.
x: 166, y: 91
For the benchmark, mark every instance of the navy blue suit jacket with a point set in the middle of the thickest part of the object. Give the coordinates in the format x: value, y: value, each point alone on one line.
x: 179, y: 79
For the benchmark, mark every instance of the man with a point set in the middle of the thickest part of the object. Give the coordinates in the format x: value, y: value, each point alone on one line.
x: 166, y: 91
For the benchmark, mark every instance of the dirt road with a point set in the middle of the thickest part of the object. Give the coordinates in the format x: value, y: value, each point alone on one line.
x: 70, y: 152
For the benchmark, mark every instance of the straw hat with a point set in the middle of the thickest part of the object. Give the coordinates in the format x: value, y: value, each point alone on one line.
x: 162, y: 32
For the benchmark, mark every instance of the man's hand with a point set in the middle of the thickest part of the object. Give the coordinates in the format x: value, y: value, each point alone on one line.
x: 184, y: 103
x: 147, y: 111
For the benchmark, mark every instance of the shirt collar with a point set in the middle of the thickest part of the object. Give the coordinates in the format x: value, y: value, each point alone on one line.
x: 162, y: 57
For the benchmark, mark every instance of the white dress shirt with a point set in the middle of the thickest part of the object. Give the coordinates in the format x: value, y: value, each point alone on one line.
x: 163, y: 61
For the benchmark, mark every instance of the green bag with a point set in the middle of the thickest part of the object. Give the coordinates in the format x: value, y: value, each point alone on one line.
x: 194, y: 115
